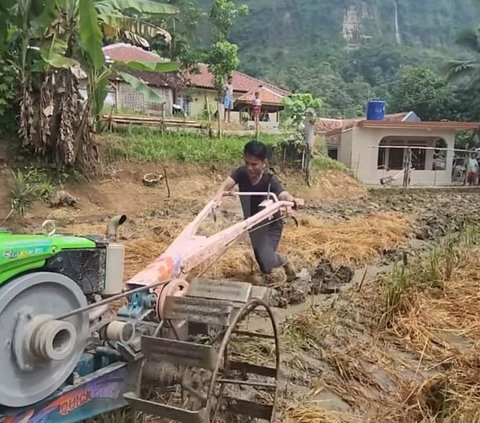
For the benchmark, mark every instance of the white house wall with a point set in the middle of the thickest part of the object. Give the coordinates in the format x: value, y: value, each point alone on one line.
x: 364, y: 159
x: 345, y: 148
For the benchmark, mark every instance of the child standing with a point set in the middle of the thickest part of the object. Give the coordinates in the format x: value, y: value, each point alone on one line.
x: 257, y: 108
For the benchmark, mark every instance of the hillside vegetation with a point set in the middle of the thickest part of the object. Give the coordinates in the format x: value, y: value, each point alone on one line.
x: 346, y: 51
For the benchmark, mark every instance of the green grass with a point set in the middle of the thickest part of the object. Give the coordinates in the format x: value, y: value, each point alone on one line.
x: 146, y: 145
x: 320, y: 163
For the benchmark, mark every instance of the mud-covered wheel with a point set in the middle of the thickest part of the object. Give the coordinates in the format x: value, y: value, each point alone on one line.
x: 245, y: 382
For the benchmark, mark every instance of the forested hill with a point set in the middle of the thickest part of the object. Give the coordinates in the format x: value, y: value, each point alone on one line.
x: 347, y: 50
x: 295, y: 24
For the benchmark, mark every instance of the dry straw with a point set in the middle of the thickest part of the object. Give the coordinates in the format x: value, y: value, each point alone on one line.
x: 423, y: 364
x: 353, y: 243
x: 299, y: 413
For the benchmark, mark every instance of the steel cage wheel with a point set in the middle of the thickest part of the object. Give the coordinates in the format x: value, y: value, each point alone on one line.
x: 212, y: 408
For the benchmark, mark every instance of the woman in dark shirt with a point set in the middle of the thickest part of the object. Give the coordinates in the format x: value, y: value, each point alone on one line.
x: 254, y: 177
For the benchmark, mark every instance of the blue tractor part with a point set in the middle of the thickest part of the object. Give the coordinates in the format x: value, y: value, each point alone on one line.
x: 95, y: 393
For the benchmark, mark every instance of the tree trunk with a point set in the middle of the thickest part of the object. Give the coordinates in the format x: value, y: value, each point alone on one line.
x: 60, y: 131
x: 219, y: 119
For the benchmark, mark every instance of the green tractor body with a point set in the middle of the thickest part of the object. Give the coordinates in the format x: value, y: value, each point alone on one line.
x: 23, y: 253
x: 43, y: 275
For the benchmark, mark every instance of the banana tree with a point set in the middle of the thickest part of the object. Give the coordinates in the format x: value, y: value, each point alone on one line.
x: 59, y: 37
x: 124, y: 18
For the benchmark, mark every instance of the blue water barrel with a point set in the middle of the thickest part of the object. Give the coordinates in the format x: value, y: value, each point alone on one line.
x: 375, y: 110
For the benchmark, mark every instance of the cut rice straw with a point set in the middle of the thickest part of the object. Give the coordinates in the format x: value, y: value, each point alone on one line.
x: 352, y: 243
x: 300, y: 413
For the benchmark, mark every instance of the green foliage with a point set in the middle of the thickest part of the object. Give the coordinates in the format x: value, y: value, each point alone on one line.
x: 222, y: 60
x: 222, y: 57
x: 22, y: 193
x: 148, y: 145
x: 299, y: 45
x: 424, y: 92
x: 9, y: 90
x: 71, y: 33
x: 297, y: 104
x: 467, y: 70
x: 322, y: 162
x: 223, y: 15
x: 396, y: 284
x: 90, y: 34
x: 183, y: 28
x: 467, y: 140
x: 40, y: 181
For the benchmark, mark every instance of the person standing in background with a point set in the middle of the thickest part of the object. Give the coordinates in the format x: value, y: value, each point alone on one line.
x: 228, y: 99
x: 257, y: 110
x: 472, y: 169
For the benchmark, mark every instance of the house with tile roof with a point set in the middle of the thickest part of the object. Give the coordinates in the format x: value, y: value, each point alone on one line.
x: 122, y: 96
x: 192, y: 92
x: 199, y: 95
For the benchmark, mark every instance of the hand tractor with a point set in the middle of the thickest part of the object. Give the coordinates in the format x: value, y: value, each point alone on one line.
x: 77, y: 342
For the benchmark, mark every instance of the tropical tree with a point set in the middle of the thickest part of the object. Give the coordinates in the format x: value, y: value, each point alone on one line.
x: 222, y: 57
x: 297, y: 104
x: 426, y: 93
x: 470, y: 67
x: 183, y: 27
x: 61, y: 41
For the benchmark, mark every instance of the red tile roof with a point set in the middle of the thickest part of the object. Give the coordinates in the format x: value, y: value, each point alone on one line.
x: 241, y: 83
x: 204, y: 79
x: 124, y: 52
x: 267, y: 96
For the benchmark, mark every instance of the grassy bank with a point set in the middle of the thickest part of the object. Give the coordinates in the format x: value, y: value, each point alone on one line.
x: 144, y: 145
x: 150, y: 145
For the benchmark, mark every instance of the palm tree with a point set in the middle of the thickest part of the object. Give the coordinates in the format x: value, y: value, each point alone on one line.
x: 468, y: 68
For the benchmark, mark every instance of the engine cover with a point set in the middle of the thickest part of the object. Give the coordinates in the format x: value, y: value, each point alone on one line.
x: 84, y: 266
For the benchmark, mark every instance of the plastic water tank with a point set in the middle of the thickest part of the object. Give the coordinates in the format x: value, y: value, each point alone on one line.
x: 375, y: 109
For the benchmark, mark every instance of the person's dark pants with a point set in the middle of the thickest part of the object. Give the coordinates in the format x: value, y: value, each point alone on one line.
x: 265, y: 241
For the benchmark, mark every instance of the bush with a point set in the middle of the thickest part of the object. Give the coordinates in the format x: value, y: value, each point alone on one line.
x: 22, y: 193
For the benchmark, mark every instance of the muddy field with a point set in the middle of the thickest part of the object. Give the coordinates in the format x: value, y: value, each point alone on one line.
x: 342, y: 361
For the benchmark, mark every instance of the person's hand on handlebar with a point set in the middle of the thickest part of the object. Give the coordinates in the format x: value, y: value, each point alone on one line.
x: 226, y: 186
x: 298, y: 203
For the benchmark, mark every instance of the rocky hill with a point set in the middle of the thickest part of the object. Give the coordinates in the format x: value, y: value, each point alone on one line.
x: 347, y: 50
x: 286, y: 23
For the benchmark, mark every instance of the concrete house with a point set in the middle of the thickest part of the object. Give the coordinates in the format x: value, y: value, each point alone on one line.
x: 376, y: 149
